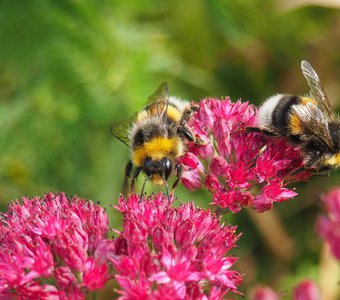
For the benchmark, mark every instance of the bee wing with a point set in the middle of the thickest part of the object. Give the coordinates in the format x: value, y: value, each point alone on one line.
x: 313, y: 121
x: 155, y: 105
x: 161, y: 94
x: 316, y: 90
x: 158, y: 100
x: 121, y: 129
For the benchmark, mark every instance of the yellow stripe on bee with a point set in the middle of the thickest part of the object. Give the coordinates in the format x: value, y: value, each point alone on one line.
x: 305, y: 100
x: 156, y: 149
x: 334, y: 160
x: 174, y: 114
x: 295, y: 125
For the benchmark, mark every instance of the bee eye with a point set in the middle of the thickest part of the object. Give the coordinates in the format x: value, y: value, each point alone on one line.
x: 167, y: 164
x: 149, y: 167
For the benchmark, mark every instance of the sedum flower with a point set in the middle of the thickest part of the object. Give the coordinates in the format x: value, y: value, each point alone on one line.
x: 232, y: 163
x: 306, y: 290
x: 49, y: 248
x: 328, y: 226
x: 165, y: 252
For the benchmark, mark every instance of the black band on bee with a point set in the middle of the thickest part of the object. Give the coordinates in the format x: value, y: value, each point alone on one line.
x: 334, y: 129
x: 282, y: 109
x: 151, y: 131
x: 138, y: 139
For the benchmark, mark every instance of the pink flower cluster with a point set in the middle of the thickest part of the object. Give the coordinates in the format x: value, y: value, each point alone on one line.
x: 165, y: 252
x: 52, y: 248
x: 233, y: 163
x: 328, y: 226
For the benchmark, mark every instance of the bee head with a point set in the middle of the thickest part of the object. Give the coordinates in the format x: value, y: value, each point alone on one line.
x: 162, y: 168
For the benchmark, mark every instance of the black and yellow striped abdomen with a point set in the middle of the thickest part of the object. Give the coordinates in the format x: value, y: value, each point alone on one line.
x: 278, y: 113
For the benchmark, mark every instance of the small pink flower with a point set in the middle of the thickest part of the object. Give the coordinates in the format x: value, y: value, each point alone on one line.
x: 172, y: 253
x: 212, y: 183
x: 219, y: 166
x: 65, y: 277
x: 72, y: 246
x: 192, y: 170
x: 53, y: 239
x: 328, y: 226
x: 235, y: 161
x: 306, y: 290
x: 272, y: 192
x: 264, y: 293
x: 95, y: 275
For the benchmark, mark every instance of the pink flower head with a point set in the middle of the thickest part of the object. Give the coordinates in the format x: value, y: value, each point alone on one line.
x: 235, y: 161
x: 264, y: 293
x: 306, y: 290
x: 328, y: 226
x: 165, y: 252
x: 52, y: 239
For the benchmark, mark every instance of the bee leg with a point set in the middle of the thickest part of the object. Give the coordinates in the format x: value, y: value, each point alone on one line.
x: 178, y: 176
x: 127, y: 175
x: 261, y: 130
x: 253, y: 129
x: 323, y: 171
x: 261, y: 150
x: 167, y: 191
x: 134, y: 177
x: 186, y: 133
x: 326, y: 173
x: 143, y: 187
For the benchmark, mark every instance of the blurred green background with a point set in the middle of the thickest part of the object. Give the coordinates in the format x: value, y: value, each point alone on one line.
x: 68, y: 69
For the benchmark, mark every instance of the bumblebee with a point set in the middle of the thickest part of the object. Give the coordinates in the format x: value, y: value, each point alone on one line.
x: 307, y: 121
x: 156, y: 138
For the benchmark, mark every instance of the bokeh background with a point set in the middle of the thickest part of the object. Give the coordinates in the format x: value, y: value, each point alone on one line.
x: 69, y: 69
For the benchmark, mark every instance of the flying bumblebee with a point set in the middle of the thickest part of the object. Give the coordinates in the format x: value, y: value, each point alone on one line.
x: 156, y: 137
x: 307, y: 121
